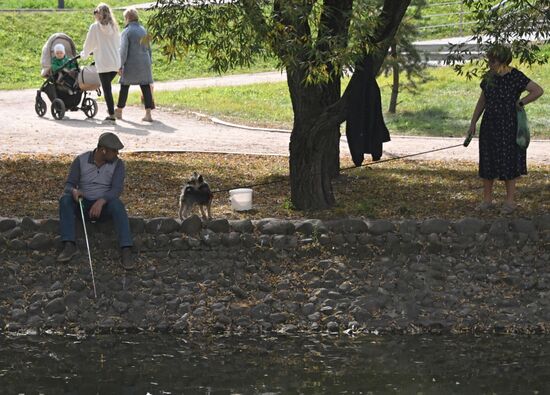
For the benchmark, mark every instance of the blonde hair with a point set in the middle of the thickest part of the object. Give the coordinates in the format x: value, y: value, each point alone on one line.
x: 131, y: 14
x: 105, y: 16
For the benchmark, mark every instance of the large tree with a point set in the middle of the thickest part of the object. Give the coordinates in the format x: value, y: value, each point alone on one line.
x: 315, y: 41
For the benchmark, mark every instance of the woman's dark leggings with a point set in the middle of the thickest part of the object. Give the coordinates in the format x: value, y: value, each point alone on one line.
x: 147, y: 96
x: 106, y: 79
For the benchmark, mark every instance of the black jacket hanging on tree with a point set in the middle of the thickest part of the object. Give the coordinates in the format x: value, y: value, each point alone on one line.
x: 365, y: 127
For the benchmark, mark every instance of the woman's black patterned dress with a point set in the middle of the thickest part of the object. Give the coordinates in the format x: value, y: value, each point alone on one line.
x: 499, y: 155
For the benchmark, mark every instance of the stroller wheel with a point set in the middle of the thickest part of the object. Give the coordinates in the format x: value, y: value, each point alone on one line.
x: 40, y: 106
x: 89, y: 106
x: 58, y: 109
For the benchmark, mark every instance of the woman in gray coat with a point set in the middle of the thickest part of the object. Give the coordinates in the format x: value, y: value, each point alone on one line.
x: 136, y: 61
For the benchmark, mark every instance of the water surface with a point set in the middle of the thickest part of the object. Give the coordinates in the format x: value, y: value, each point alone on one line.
x: 169, y: 364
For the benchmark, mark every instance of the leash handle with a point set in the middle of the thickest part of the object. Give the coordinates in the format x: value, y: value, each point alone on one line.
x: 468, y: 139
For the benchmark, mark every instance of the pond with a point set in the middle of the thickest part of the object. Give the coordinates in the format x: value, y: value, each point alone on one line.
x: 169, y: 364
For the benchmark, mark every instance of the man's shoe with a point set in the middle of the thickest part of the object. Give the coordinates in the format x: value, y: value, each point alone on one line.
x: 69, y: 251
x: 127, y: 259
x: 118, y: 113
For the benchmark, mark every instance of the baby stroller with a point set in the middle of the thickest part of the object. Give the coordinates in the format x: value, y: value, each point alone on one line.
x: 62, y: 96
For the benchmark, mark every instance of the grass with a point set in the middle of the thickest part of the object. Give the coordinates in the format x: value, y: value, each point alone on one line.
x: 434, y: 14
x: 441, y: 107
x: 441, y: 18
x: 21, y: 52
x: 400, y: 189
x: 69, y: 4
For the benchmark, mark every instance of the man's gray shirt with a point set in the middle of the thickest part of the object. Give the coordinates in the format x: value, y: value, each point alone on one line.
x: 95, y: 182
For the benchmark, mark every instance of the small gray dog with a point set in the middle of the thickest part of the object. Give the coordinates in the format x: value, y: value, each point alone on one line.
x: 196, y: 191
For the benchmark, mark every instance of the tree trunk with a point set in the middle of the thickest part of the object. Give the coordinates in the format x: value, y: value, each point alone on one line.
x: 332, y: 149
x: 313, y: 162
x: 395, y: 85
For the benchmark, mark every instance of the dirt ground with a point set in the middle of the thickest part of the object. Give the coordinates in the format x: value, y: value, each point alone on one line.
x: 23, y: 131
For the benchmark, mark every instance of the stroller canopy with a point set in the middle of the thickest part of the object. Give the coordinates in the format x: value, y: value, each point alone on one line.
x: 48, y: 50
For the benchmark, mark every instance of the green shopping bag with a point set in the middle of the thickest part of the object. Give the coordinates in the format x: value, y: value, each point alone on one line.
x: 522, y: 137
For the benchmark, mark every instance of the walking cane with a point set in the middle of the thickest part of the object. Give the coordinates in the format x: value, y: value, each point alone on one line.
x: 87, y: 244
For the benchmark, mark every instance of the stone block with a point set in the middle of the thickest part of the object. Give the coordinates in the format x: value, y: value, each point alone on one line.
x: 542, y: 222
x: 28, y: 224
x: 137, y: 225
x: 14, y: 233
x: 379, y: 227
x: 276, y: 227
x: 468, y: 226
x: 408, y: 226
x: 499, y: 227
x: 434, y: 225
x: 49, y: 225
x: 242, y: 226
x: 162, y: 225
x: 41, y: 241
x: 348, y: 225
x: 219, y: 225
x: 7, y: 224
x: 231, y: 239
x: 248, y: 240
x: 522, y: 225
x: 191, y: 225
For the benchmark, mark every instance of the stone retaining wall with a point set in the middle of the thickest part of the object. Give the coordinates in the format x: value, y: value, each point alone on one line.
x: 309, y: 275
x: 174, y: 235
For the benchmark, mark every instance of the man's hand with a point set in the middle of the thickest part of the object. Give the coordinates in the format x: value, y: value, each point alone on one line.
x: 95, y: 210
x: 77, y: 194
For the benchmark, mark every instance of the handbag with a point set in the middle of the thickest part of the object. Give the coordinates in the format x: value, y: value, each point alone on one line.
x: 88, y: 78
x: 522, y: 137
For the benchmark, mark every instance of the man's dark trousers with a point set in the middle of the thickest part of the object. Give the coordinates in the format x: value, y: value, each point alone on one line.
x: 114, y: 209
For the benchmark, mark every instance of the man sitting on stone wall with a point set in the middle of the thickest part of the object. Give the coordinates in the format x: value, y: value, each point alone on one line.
x: 96, y: 177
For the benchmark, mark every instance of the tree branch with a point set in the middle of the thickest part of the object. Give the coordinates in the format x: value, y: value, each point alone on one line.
x: 391, y: 15
x: 254, y: 13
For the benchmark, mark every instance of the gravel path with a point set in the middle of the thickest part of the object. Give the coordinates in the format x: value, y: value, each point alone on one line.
x: 24, y: 132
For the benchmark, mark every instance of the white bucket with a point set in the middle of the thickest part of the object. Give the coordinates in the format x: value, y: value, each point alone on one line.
x: 241, y: 199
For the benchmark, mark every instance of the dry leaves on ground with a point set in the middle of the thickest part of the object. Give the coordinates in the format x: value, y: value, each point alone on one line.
x: 30, y: 185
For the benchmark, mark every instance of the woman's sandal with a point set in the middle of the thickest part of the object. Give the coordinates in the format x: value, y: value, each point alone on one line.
x: 507, y: 208
x: 484, y: 206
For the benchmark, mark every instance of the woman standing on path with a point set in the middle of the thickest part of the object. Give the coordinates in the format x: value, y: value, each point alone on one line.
x: 136, y: 60
x: 499, y: 155
x: 103, y: 40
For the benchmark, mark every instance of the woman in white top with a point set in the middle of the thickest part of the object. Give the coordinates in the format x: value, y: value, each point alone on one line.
x: 103, y: 41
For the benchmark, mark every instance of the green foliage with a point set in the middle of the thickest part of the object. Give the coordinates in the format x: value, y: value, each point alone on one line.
x: 21, y: 48
x: 442, y: 106
x: 520, y: 24
x: 221, y: 31
x: 318, y: 40
x: 403, y: 55
x: 287, y: 204
x: 69, y: 4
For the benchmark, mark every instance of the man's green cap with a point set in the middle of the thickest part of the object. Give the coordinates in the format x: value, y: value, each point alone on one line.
x: 110, y: 140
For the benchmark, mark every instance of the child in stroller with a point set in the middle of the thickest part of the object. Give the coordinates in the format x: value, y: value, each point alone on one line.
x: 61, y: 72
x: 65, y: 68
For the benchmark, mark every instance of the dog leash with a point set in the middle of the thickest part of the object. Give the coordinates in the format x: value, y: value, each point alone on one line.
x: 464, y: 144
